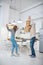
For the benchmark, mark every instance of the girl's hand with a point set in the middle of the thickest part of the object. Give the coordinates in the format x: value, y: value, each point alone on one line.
x: 8, y: 38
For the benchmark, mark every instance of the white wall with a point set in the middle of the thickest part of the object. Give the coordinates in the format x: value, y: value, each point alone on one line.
x: 8, y: 14
x: 0, y: 19
x: 4, y: 13
x: 0, y: 12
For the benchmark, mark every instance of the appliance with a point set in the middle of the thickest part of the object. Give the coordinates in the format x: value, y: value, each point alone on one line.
x: 41, y: 40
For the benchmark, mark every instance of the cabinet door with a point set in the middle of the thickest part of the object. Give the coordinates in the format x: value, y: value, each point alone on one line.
x: 41, y: 45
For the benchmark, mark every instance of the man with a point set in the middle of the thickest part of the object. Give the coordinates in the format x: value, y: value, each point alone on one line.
x: 32, y: 39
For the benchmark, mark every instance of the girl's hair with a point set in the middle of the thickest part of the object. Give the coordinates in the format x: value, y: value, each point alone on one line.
x: 30, y: 26
x: 15, y: 28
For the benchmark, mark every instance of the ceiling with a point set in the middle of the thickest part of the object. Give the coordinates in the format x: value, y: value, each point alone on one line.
x: 22, y: 4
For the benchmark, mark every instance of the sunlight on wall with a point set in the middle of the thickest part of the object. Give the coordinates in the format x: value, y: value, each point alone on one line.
x: 4, y: 33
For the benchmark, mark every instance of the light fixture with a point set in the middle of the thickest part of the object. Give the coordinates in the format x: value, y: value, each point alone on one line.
x: 13, y: 5
x: 14, y: 22
x: 19, y: 21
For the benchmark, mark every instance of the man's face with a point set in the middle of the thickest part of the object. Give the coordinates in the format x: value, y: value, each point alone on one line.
x: 27, y: 22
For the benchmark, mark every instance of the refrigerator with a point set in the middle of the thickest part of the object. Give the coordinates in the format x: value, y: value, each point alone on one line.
x: 41, y: 40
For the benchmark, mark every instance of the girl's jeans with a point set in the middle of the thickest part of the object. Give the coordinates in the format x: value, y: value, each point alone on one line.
x: 14, y: 45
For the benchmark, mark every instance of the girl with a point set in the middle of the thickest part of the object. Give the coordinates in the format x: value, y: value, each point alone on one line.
x: 14, y: 44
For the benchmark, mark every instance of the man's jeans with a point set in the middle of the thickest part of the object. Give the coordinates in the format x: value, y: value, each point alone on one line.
x: 32, y: 41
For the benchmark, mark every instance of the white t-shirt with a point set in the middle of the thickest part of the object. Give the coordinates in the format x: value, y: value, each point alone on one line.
x: 33, y: 30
